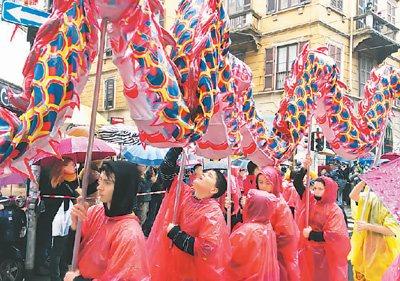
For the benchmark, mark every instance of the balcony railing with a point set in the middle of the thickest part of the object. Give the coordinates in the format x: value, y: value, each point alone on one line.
x: 371, y: 20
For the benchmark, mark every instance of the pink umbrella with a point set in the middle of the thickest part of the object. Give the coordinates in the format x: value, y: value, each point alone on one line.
x: 12, y: 179
x: 385, y: 182
x: 390, y: 156
x: 75, y: 149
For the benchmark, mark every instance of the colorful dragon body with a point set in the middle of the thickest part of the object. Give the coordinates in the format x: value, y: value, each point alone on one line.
x: 198, y: 93
x: 55, y: 74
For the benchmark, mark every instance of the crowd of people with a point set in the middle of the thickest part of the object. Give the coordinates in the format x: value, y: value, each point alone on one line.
x: 138, y: 233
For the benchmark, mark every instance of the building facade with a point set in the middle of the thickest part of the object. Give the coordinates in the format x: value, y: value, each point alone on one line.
x: 359, y: 34
x: 268, y: 35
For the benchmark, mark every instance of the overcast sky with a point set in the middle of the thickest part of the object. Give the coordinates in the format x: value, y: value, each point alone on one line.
x: 12, y: 54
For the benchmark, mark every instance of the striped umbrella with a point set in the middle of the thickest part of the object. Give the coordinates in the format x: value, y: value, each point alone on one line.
x: 120, y: 134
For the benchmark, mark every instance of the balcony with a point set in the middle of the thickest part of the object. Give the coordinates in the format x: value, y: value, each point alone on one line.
x: 375, y: 35
x: 244, y: 22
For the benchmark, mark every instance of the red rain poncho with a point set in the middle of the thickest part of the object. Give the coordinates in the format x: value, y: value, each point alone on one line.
x: 202, y: 219
x: 249, y: 183
x: 254, y: 253
x: 324, y: 260
x: 287, y: 232
x: 290, y: 194
x: 112, y: 248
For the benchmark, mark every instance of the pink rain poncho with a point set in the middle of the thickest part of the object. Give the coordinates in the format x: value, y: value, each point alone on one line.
x: 326, y: 260
x: 254, y: 252
x: 290, y: 194
x: 287, y: 232
x: 249, y: 183
x: 112, y: 248
x: 202, y: 219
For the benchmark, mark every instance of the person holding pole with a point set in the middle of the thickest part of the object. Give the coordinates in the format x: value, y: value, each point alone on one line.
x: 376, y: 236
x: 113, y: 244
x: 324, y: 244
x: 195, y: 246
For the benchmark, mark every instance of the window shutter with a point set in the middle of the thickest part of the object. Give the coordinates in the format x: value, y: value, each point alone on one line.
x: 269, y: 69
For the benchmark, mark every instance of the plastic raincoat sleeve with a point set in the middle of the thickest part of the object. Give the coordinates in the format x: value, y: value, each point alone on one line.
x: 254, y: 254
x: 337, y: 242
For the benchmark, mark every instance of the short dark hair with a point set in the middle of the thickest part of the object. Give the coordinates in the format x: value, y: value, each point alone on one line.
x: 321, y: 180
x: 220, y: 184
x: 197, y: 165
x: 251, y: 167
x: 106, y: 168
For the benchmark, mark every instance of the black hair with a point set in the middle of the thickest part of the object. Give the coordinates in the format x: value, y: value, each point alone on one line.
x: 197, y: 165
x: 251, y: 167
x: 220, y: 184
x: 106, y: 168
x: 257, y: 177
x: 321, y: 180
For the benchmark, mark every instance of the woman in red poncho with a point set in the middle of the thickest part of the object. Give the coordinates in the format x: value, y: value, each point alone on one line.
x: 287, y: 233
x: 197, y: 248
x: 254, y: 253
x: 112, y: 246
x: 324, y: 244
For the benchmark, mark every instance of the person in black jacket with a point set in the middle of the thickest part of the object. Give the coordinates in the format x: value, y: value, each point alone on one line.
x: 61, y: 181
x: 154, y: 180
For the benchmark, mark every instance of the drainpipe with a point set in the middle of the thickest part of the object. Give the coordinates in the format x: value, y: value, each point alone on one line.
x: 351, y: 3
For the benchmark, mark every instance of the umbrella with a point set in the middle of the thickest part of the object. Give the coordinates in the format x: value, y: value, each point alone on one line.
x: 385, y: 182
x: 78, y: 131
x: 148, y: 155
x: 83, y: 115
x: 390, y: 156
x: 12, y: 179
x: 119, y: 134
x: 75, y: 149
x: 219, y: 164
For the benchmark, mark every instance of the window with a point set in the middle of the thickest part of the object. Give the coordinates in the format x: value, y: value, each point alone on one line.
x: 337, y: 4
x: 107, y: 47
x: 365, y: 66
x: 240, y: 56
x: 285, y: 57
x: 388, y: 140
x: 336, y: 53
x: 237, y: 6
x: 284, y: 4
x: 391, y: 12
x: 273, y: 5
x: 109, y: 93
x: 364, y: 4
x: 278, y: 64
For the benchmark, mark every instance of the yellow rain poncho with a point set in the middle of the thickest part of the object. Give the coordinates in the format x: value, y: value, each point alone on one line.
x: 372, y: 253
